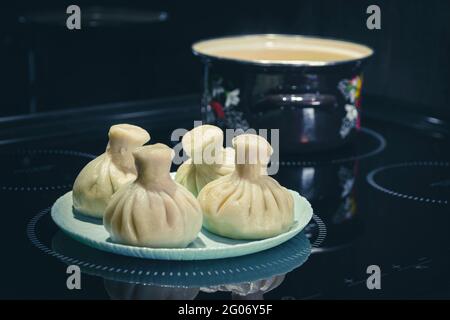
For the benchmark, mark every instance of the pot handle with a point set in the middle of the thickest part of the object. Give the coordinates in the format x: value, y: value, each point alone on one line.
x: 294, y: 100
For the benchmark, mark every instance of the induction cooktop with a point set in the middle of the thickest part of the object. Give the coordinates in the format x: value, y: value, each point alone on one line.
x: 380, y: 203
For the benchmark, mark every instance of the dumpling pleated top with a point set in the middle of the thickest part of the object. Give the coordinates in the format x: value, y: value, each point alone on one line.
x: 208, y: 159
x: 104, y: 175
x: 247, y: 204
x: 153, y: 211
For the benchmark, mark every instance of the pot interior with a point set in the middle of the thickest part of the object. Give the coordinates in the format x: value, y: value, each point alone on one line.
x: 282, y: 49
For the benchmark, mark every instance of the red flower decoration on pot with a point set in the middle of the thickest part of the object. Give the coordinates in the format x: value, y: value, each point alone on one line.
x: 218, y: 109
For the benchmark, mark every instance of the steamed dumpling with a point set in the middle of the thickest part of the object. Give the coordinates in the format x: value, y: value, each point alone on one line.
x: 101, y: 177
x: 208, y: 161
x: 153, y: 211
x: 247, y: 204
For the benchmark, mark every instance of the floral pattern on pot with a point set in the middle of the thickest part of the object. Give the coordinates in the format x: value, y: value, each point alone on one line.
x: 222, y: 108
x: 351, y: 90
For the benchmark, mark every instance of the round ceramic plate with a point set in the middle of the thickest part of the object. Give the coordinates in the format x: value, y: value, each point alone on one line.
x: 91, y: 232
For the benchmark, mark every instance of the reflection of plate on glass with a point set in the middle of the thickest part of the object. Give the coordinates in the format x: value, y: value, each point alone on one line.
x: 118, y: 290
x: 254, y: 290
x: 262, y: 265
x: 207, y: 245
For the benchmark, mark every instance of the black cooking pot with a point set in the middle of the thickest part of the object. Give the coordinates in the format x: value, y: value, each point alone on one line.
x: 308, y: 88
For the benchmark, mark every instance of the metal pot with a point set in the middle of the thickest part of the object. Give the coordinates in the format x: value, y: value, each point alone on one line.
x: 314, y: 102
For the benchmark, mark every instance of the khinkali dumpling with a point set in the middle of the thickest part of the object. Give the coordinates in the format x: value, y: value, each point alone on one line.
x: 101, y: 177
x: 154, y: 210
x: 208, y: 161
x: 247, y: 204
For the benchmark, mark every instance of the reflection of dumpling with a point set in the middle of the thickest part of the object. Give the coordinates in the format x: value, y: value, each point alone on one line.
x: 101, y: 177
x: 247, y: 204
x: 153, y: 211
x: 131, y: 291
x: 249, y: 290
x: 208, y: 161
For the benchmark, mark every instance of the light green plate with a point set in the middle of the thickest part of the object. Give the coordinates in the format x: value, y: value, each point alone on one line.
x: 207, y: 245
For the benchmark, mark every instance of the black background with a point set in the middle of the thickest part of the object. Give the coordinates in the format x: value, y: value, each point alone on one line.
x: 129, y: 62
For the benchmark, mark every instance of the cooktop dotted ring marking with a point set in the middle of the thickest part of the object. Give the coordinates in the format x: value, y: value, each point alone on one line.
x: 32, y: 236
x: 44, y: 152
x: 371, y: 180
x: 45, y: 188
x: 322, y: 232
x: 53, y: 152
x: 381, y: 145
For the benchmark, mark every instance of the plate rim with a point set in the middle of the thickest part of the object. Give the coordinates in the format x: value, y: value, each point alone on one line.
x: 247, y: 247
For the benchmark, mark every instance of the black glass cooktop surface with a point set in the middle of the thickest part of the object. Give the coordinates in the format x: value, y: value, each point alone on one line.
x: 382, y: 202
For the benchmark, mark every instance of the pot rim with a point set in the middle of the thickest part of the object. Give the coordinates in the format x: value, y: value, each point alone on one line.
x: 269, y: 63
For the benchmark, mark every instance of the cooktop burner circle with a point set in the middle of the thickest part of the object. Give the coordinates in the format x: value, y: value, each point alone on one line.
x: 41, y: 170
x: 134, y: 270
x: 367, y: 144
x: 430, y: 182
